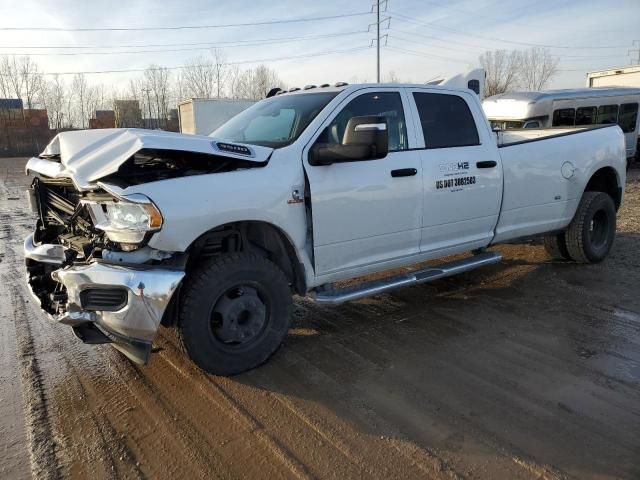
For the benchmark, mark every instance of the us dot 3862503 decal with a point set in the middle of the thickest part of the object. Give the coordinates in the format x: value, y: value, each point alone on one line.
x: 455, y: 182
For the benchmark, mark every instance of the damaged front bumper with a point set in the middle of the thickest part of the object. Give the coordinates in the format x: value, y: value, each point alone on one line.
x: 104, y: 302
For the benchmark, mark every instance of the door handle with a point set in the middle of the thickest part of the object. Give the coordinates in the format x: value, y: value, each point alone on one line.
x: 404, y: 172
x: 486, y: 164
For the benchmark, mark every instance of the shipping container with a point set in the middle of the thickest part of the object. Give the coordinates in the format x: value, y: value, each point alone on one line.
x: 201, y: 116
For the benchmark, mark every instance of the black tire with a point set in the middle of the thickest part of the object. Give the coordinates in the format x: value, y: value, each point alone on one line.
x: 235, y: 312
x: 556, y: 246
x: 593, y: 229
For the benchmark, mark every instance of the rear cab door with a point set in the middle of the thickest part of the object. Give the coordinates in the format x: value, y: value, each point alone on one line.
x: 462, y: 170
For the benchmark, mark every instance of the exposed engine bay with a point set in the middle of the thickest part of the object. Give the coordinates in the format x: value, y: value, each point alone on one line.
x: 81, y: 221
x: 149, y: 165
x: 63, y: 219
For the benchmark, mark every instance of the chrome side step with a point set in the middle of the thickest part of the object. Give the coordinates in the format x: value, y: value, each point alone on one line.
x: 334, y: 296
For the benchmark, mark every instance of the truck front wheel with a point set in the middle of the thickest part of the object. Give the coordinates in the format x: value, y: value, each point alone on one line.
x: 592, y: 231
x: 235, y: 312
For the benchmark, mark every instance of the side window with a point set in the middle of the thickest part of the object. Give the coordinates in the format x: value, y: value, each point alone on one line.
x: 446, y: 120
x: 628, y: 117
x: 533, y: 124
x: 386, y: 104
x: 564, y: 117
x: 608, y: 114
x: 586, y: 115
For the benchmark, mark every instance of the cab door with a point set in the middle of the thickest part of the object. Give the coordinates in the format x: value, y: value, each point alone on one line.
x: 462, y: 171
x: 367, y: 212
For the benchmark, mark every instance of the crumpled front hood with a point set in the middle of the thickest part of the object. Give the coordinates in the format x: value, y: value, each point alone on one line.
x: 86, y: 156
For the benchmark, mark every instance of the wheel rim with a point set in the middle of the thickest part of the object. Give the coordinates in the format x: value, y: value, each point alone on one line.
x: 599, y: 229
x: 238, y: 317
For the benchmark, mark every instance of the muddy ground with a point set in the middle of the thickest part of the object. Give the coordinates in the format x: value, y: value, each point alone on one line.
x: 527, y: 369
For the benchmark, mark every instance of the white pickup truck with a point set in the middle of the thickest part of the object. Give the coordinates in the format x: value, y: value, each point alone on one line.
x: 213, y: 234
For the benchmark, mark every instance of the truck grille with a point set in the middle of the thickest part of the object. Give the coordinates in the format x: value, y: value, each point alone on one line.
x: 57, y: 200
x: 63, y: 219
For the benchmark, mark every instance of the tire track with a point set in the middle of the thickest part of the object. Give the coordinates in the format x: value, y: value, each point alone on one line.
x: 42, y: 447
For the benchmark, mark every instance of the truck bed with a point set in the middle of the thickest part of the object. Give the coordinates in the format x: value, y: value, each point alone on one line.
x: 537, y: 196
x: 507, y: 138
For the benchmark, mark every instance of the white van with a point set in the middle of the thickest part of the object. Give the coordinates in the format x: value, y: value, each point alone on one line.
x: 473, y: 80
x: 568, y: 108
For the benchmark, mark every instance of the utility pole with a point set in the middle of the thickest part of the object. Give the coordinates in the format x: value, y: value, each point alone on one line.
x: 379, y: 38
x: 378, y: 41
x: 636, y: 50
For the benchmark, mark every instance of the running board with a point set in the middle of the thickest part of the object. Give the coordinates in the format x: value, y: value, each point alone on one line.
x: 337, y: 296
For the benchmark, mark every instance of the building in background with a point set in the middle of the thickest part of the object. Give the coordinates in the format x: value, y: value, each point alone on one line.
x: 173, y: 120
x: 11, y: 113
x: 22, y: 131
x: 616, y: 77
x: 127, y: 114
x: 201, y: 116
x: 103, y: 119
x: 169, y: 124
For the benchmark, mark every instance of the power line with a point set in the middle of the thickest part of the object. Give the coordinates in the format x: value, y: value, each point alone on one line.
x: 404, y: 18
x: 560, y: 57
x: 425, y: 55
x: 184, y: 27
x: 476, y: 14
x: 210, y: 45
x: 240, y: 62
x: 478, y: 47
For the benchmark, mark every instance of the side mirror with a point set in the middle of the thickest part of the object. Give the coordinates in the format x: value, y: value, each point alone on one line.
x: 365, y: 138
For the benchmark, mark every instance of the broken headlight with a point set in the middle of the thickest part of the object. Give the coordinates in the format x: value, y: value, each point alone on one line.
x: 127, y: 220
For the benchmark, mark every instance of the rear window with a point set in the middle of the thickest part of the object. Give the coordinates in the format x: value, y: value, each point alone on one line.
x: 608, y: 114
x: 628, y: 117
x: 586, y: 115
x: 564, y: 117
x: 446, y: 120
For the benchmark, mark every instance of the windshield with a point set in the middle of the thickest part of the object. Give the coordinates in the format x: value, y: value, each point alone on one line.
x: 274, y: 122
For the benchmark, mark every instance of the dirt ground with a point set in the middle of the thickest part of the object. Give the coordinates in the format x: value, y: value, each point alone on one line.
x: 527, y: 369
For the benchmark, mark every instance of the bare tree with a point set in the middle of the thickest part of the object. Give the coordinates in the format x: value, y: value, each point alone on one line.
x: 537, y: 67
x: 10, y: 71
x: 263, y: 80
x: 530, y: 69
x: 156, y: 86
x: 502, y: 69
x: 179, y: 89
x: 55, y: 100
x: 392, y: 78
x: 253, y: 83
x: 221, y: 69
x: 4, y: 81
x: 21, y: 78
x: 84, y: 100
x: 134, y: 90
x: 32, y: 82
x: 199, y: 76
x: 235, y: 80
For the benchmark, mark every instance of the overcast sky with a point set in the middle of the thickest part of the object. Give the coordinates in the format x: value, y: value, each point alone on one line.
x: 444, y: 37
